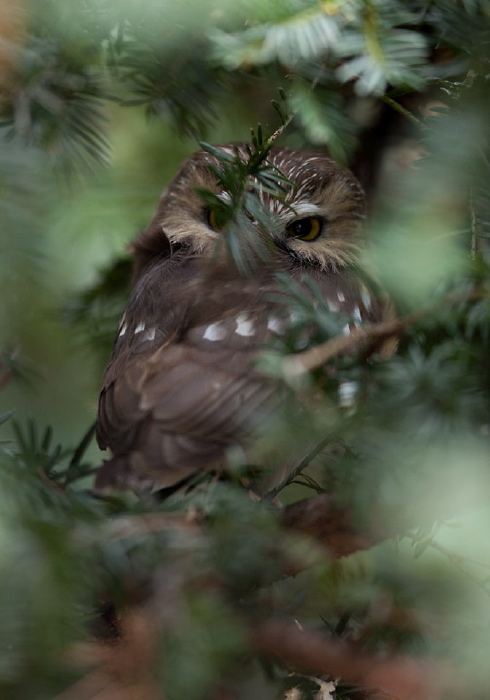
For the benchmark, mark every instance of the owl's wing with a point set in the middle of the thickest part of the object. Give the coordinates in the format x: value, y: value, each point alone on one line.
x: 180, y: 407
x: 182, y: 385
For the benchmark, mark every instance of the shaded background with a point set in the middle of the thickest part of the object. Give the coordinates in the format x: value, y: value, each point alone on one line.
x: 100, y: 103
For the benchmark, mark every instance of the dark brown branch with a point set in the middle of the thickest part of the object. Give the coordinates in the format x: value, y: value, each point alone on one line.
x: 398, y: 678
x: 123, y: 669
x: 332, y: 526
x: 342, y: 533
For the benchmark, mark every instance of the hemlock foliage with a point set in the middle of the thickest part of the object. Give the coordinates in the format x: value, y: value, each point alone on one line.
x: 211, y: 595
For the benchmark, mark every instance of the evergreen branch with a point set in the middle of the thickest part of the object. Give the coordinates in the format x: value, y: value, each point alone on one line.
x: 371, y: 32
x: 309, y: 651
x: 337, y: 528
x: 317, y: 356
x: 243, y: 177
x: 303, y: 464
x: 279, y: 131
x: 36, y: 451
x: 75, y: 469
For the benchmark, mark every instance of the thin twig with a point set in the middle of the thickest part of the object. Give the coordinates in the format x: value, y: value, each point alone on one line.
x: 403, y: 111
x: 310, y: 359
x: 273, y: 138
x: 272, y: 493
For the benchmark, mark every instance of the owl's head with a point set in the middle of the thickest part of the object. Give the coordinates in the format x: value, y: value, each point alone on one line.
x: 318, y: 222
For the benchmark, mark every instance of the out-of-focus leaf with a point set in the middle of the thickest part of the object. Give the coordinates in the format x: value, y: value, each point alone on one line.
x: 58, y: 106
x: 321, y: 114
x: 396, y: 60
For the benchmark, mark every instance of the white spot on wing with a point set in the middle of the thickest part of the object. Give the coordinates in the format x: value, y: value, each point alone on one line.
x: 140, y: 327
x: 123, y: 330
x: 341, y: 296
x: 214, y: 331
x: 275, y: 325
x: 357, y: 316
x: 333, y: 306
x: 244, y: 327
x: 366, y: 299
x: 149, y: 334
x: 346, y: 329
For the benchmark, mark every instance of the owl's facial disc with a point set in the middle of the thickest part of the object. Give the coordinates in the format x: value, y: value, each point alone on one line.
x: 317, y: 221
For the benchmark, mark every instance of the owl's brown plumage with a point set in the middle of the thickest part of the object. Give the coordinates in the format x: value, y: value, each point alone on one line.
x: 182, y: 384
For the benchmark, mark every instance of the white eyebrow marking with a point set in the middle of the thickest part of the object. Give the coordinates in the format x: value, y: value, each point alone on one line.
x: 275, y: 325
x: 341, y: 296
x: 123, y: 330
x: 214, y: 332
x: 244, y: 327
x: 149, y: 334
x: 140, y: 327
x: 224, y: 196
x: 306, y: 209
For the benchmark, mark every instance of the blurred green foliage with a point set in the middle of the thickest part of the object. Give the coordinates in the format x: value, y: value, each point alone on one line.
x: 99, y: 103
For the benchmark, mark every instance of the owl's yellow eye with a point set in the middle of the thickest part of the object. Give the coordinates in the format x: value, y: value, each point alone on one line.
x: 215, y: 219
x: 305, y: 229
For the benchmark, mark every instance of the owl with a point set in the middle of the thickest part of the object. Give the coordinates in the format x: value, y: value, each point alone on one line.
x: 184, y: 387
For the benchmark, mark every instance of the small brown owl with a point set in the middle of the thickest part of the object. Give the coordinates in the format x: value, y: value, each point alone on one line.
x: 183, y: 384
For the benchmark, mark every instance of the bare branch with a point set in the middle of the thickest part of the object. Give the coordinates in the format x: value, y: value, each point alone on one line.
x: 314, y: 357
x: 319, y: 517
x: 338, y: 529
x: 398, y: 678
